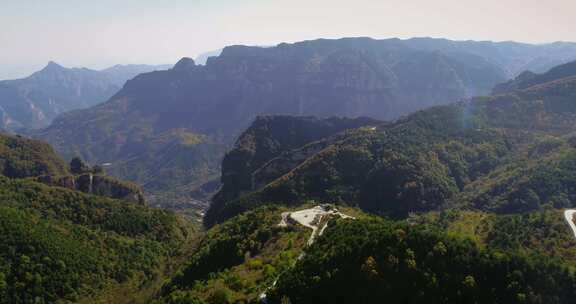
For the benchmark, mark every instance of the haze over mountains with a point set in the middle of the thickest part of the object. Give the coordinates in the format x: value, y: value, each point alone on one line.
x: 168, y: 130
x: 203, y: 58
x: 352, y: 170
x: 33, y: 102
x: 508, y: 153
x: 477, y: 191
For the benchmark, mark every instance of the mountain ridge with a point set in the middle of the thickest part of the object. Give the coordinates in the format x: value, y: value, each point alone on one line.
x: 66, y: 242
x: 384, y: 79
x: 34, y: 101
x: 433, y: 158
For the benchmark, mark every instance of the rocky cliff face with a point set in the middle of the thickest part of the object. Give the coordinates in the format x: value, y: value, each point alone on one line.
x: 97, y: 185
x: 24, y: 158
x: 506, y: 153
x: 193, y: 113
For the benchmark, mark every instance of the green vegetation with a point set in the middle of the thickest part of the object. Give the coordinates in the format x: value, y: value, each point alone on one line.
x: 476, y: 189
x: 36, y: 160
x: 168, y: 130
x: 374, y: 261
x: 62, y: 245
x: 238, y: 260
x: 265, y: 140
x: 544, y: 232
x: 20, y: 157
x: 417, y: 164
x: 505, y: 154
x: 530, y: 183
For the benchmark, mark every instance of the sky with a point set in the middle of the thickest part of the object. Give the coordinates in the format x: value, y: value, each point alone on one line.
x: 101, y: 33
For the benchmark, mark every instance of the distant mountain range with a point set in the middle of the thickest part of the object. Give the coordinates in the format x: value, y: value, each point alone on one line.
x: 168, y: 130
x: 451, y: 204
x: 513, y: 57
x: 33, y: 102
x: 464, y: 201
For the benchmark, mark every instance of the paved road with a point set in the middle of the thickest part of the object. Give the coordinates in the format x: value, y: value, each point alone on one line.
x: 569, y: 216
x: 310, y: 218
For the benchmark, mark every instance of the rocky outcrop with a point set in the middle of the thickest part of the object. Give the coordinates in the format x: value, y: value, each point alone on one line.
x: 184, y: 64
x: 97, y: 185
x: 23, y: 158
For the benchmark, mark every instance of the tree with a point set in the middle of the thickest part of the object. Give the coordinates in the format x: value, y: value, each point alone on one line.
x: 3, y: 286
x: 97, y: 169
x: 77, y: 166
x: 370, y: 268
x: 220, y: 296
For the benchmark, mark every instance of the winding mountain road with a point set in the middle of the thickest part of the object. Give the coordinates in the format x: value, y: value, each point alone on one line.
x: 311, y: 218
x: 569, y: 216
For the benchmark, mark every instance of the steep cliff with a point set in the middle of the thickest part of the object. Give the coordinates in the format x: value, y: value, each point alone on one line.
x: 505, y: 153
x: 175, y: 125
x: 33, y: 159
x: 97, y: 184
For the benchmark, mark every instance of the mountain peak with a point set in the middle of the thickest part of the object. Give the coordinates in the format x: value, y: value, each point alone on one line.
x: 185, y: 63
x: 53, y: 66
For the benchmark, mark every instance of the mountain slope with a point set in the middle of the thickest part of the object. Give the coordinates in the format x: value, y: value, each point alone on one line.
x: 513, y: 57
x: 265, y: 140
x: 21, y: 157
x: 448, y: 256
x: 58, y: 245
x: 413, y: 264
x: 33, y: 102
x: 529, y: 79
x: 544, y: 232
x: 506, y: 153
x: 193, y: 113
x: 36, y: 160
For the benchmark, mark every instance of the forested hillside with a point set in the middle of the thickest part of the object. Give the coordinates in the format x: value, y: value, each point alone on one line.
x: 507, y: 154
x: 368, y: 261
x: 237, y: 261
x: 449, y: 256
x: 62, y: 246
x: 169, y: 130
x: 36, y: 160
x: 294, y: 160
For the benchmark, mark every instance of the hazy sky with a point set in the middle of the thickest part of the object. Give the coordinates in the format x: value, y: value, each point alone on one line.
x: 101, y: 33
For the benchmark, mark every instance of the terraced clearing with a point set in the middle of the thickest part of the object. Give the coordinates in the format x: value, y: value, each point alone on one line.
x: 315, y: 218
